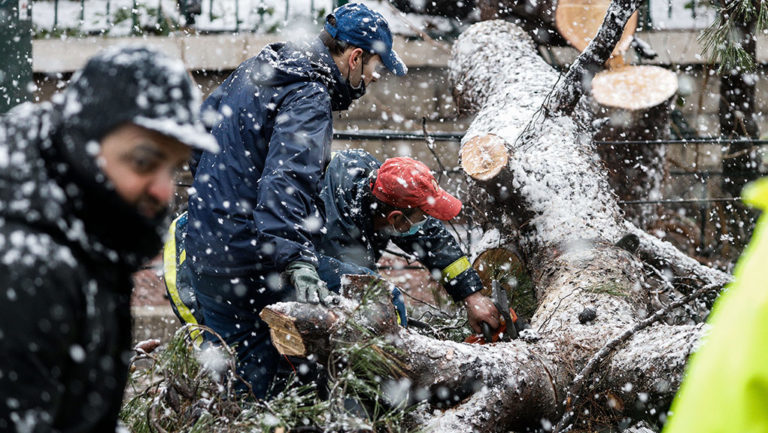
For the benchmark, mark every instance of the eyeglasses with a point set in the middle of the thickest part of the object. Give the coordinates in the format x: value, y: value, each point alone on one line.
x: 417, y: 223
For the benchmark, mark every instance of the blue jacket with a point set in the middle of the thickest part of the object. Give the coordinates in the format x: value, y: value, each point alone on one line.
x: 253, y: 206
x: 349, y: 237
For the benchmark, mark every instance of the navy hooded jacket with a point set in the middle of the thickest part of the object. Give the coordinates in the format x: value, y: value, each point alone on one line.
x: 348, y: 236
x: 253, y: 208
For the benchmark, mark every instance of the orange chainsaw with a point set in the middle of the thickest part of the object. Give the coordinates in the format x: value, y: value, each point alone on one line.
x: 508, y: 324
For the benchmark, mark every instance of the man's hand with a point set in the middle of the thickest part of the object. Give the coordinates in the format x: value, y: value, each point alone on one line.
x: 481, y: 309
x: 309, y: 287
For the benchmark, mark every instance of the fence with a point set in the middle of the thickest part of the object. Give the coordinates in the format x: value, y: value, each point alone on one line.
x: 700, y: 211
x: 57, y: 18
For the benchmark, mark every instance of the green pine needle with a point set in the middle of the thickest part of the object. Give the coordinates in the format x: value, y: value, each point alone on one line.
x: 172, y: 391
x: 722, y: 41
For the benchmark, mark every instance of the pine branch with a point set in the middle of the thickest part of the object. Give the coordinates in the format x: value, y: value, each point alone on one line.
x: 723, y: 40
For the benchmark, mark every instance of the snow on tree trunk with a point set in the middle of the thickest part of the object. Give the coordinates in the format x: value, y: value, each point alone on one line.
x: 569, y: 218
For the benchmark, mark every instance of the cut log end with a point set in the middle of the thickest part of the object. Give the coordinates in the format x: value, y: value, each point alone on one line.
x: 497, y: 264
x: 483, y: 157
x: 579, y: 20
x: 634, y: 87
x: 299, y: 329
x: 286, y: 337
x: 505, y: 266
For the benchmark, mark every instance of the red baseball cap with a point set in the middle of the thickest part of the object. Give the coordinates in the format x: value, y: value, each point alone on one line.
x: 406, y: 183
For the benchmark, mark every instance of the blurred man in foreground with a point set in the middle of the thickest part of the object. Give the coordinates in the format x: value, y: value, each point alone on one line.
x: 85, y: 184
x: 725, y: 388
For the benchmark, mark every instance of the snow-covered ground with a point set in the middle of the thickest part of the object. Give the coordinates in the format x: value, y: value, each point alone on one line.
x: 114, y: 17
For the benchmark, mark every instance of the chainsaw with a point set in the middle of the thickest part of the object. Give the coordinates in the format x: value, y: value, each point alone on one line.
x: 509, y: 327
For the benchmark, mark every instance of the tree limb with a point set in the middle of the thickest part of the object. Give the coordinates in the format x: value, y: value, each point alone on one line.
x: 572, y: 397
x: 565, y: 96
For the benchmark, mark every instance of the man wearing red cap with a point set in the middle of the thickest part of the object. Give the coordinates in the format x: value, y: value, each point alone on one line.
x: 368, y: 204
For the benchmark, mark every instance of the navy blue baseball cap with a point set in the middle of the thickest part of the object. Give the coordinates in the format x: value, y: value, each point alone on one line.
x: 358, y: 25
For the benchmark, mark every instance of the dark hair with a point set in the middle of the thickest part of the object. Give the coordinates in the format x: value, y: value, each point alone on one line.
x: 337, y: 47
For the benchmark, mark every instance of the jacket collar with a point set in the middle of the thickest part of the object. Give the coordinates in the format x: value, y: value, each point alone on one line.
x: 328, y: 73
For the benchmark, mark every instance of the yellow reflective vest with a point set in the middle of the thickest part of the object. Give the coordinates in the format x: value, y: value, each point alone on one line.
x: 725, y: 388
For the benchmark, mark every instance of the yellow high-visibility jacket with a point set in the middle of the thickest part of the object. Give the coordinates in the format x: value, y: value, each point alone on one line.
x: 725, y: 388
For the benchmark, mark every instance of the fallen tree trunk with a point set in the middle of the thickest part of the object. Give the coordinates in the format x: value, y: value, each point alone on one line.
x: 520, y: 384
x: 570, y: 216
x: 550, y: 183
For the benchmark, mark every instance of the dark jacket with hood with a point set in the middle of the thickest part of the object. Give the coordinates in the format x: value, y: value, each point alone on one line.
x: 348, y: 235
x: 253, y: 208
x: 68, y: 247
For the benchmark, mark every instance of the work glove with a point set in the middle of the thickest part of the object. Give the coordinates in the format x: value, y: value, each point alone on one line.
x: 309, y: 287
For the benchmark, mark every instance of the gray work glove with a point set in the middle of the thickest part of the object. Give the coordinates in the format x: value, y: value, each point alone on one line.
x: 309, y: 287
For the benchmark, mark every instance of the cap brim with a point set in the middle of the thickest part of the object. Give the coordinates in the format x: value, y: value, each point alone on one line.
x: 445, y: 207
x: 193, y: 135
x: 395, y: 65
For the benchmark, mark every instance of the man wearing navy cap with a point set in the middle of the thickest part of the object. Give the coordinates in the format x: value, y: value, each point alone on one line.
x: 253, y: 210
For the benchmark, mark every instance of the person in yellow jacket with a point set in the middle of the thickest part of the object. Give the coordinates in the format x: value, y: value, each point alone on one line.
x: 725, y: 388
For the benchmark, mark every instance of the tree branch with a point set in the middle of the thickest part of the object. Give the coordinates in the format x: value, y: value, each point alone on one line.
x: 565, y: 96
x: 573, y: 396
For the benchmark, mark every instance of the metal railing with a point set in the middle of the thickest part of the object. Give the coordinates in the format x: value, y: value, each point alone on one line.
x: 58, y: 18
x: 135, y: 17
x: 696, y: 198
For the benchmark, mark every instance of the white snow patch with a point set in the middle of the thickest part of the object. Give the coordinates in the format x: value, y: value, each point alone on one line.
x: 214, y: 360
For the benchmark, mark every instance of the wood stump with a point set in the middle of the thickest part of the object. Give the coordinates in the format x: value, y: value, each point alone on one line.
x: 635, y: 102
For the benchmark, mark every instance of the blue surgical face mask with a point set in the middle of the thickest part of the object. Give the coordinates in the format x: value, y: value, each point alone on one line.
x: 415, y: 227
